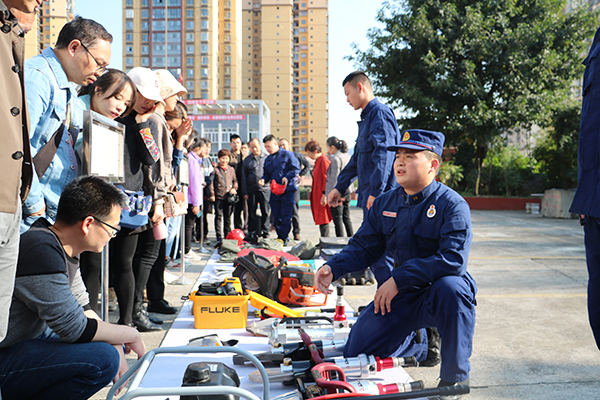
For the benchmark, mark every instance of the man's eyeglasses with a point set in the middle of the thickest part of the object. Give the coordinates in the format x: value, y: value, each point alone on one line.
x: 114, y: 232
x: 101, y: 69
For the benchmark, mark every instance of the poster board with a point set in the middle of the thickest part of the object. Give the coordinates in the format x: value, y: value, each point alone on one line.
x: 103, y: 149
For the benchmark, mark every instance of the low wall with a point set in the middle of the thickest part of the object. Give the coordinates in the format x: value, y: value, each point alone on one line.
x: 501, y: 203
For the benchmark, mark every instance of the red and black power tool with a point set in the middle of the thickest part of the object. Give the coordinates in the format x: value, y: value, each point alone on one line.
x: 287, y: 284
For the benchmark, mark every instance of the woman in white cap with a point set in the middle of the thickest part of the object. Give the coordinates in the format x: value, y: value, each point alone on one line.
x: 140, y: 149
x: 159, y: 178
x: 111, y: 95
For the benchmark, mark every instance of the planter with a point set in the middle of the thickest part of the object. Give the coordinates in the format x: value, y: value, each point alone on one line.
x: 501, y: 203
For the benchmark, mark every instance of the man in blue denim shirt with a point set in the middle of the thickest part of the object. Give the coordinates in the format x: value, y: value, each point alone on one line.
x: 81, y: 54
x: 371, y: 162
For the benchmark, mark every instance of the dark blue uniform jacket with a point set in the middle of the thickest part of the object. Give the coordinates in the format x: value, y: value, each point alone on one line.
x: 587, y: 196
x: 428, y: 234
x: 282, y: 164
x: 371, y: 162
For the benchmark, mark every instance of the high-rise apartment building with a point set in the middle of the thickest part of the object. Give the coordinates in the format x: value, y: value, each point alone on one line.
x: 285, y: 64
x: 271, y: 50
x: 197, y: 40
x: 52, y: 16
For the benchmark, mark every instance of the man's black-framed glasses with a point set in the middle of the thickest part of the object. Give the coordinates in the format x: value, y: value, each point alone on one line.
x: 101, y: 69
x: 115, y: 231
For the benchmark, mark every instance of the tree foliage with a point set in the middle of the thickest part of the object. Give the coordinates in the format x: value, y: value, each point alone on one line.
x: 556, y: 153
x: 475, y: 70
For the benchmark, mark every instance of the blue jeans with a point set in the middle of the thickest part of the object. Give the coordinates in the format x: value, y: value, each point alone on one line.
x: 173, y: 227
x: 53, y: 369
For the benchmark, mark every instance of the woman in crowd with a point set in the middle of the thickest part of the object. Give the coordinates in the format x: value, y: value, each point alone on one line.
x: 195, y: 189
x: 224, y: 183
x: 140, y: 150
x: 159, y: 178
x: 207, y: 206
x: 339, y: 157
x: 321, y: 213
x: 111, y: 95
x: 178, y: 124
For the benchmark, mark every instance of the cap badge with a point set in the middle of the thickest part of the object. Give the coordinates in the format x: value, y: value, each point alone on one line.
x: 431, y: 212
x: 406, y: 136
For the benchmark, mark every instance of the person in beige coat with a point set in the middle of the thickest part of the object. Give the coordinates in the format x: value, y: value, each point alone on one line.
x: 15, y: 157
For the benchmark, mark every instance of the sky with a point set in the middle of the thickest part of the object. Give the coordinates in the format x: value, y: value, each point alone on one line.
x: 349, y: 21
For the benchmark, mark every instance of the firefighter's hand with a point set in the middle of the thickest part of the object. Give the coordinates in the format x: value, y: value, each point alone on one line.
x: 323, y: 279
x: 383, y: 297
x: 370, y: 201
x: 334, y: 198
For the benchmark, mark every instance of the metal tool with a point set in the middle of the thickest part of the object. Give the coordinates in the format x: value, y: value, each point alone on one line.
x: 296, y: 351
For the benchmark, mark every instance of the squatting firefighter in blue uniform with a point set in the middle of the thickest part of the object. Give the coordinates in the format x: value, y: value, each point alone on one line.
x: 371, y: 163
x: 587, y: 197
x: 282, y: 167
x: 426, y: 226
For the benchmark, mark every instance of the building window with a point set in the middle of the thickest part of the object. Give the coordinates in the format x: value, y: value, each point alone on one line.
x: 227, y: 59
x: 129, y: 61
x: 204, y: 36
x: 145, y: 61
x: 174, y: 13
x: 129, y: 49
x: 158, y: 13
x: 145, y: 13
x: 228, y: 48
x: 204, y: 84
x: 204, y: 95
x: 129, y: 25
x: 190, y: 2
x: 204, y: 2
x: 158, y: 25
x: 174, y: 61
x: 189, y: 37
x: 204, y: 24
x: 190, y: 73
x: 129, y: 3
x: 190, y: 13
x: 174, y: 49
x: 144, y: 3
x: 189, y: 61
x: 158, y: 3
x: 205, y: 60
x: 189, y: 25
x: 227, y: 92
x: 145, y: 37
x: 189, y: 85
x: 144, y: 25
x: 158, y: 37
x: 204, y: 48
x: 145, y: 49
x: 204, y: 71
x: 227, y: 82
x: 174, y: 25
x: 129, y: 37
x: 189, y: 49
x: 174, y: 2
x: 158, y: 62
x: 204, y: 12
x: 174, y: 36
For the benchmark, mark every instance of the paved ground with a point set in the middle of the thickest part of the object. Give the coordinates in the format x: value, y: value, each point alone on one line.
x: 532, y: 338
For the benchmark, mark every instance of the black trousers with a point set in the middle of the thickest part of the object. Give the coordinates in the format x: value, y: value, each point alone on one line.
x: 90, y: 265
x: 341, y: 218
x: 122, y: 250
x: 155, y: 288
x: 259, y: 225
x: 146, y: 256
x: 295, y: 216
x: 240, y: 222
x: 222, y: 218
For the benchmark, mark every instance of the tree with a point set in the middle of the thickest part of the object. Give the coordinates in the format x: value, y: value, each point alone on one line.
x: 556, y: 153
x: 475, y: 70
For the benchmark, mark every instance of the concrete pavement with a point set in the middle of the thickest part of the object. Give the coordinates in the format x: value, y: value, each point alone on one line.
x: 532, y: 337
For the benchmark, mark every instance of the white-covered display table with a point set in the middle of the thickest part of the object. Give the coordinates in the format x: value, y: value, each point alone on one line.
x: 167, y: 370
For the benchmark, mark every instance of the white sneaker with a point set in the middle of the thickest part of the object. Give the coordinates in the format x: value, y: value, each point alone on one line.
x: 192, y: 255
